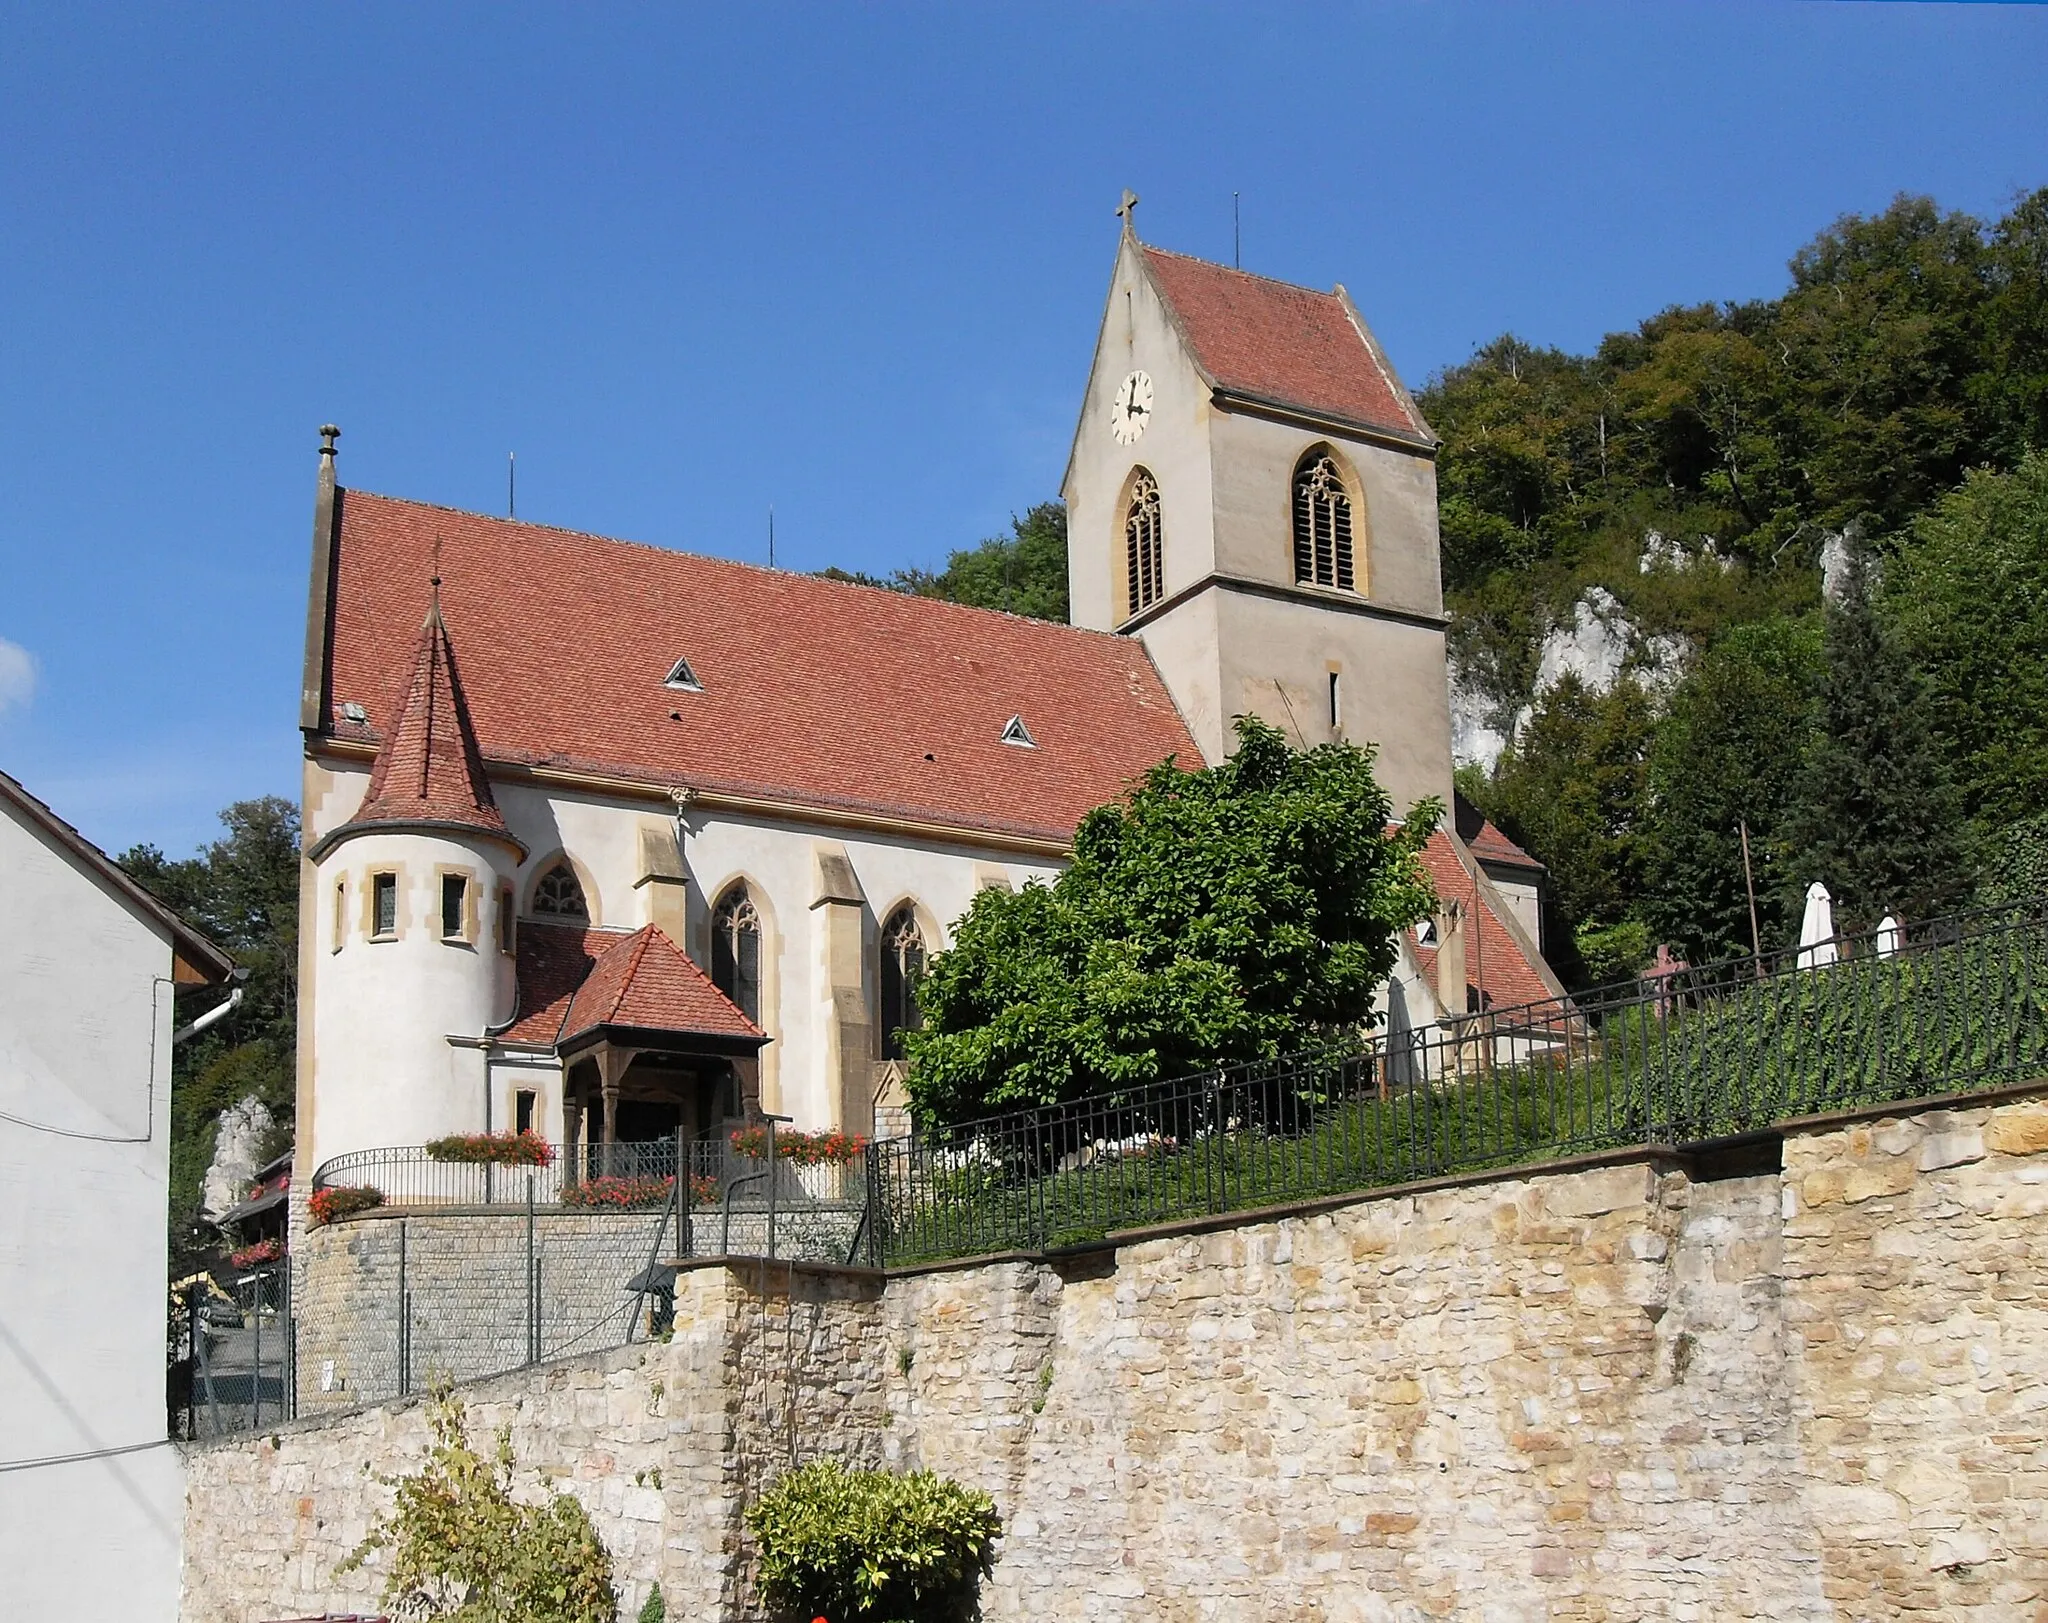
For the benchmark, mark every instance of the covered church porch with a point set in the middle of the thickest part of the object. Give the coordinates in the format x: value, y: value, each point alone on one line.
x: 655, y: 1059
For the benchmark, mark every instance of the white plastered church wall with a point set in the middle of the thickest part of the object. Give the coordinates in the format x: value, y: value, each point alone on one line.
x: 386, y: 1007
x: 385, y: 1072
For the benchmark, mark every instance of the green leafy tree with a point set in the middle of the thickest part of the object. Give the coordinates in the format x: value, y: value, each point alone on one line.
x: 2012, y: 386
x: 1875, y: 815
x: 1224, y: 915
x: 1024, y: 572
x: 243, y: 891
x: 461, y: 1547
x: 1967, y: 593
x: 1572, y: 790
x: 1729, y: 753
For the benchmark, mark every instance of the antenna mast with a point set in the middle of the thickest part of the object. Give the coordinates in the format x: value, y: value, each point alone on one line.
x: 771, y: 535
x: 511, y: 484
x: 1236, y: 236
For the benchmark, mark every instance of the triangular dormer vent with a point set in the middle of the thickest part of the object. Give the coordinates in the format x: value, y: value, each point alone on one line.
x: 681, y: 676
x: 1015, y: 732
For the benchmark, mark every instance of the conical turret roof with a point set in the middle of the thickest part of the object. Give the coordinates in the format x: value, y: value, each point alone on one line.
x: 429, y: 772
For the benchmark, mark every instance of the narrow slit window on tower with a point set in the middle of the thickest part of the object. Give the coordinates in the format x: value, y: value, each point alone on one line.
x: 383, y: 906
x: 507, y: 938
x: 680, y: 676
x: 1144, y: 545
x: 1336, y: 703
x: 1015, y: 732
x: 340, y: 913
x: 1322, y: 524
x: 454, y: 904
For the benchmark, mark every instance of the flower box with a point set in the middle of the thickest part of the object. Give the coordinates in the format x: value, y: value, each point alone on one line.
x: 805, y: 1149
x: 342, y: 1200
x: 493, y: 1149
x: 255, y: 1256
x: 620, y: 1193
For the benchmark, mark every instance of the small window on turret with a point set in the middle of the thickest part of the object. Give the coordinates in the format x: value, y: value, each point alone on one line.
x: 383, y: 906
x: 454, y: 904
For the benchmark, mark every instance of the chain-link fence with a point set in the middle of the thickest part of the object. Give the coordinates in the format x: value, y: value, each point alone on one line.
x: 231, y: 1355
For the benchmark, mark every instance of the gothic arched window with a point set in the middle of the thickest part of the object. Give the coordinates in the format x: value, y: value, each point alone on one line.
x: 1144, y: 546
x: 559, y: 895
x: 736, y: 951
x: 902, y: 964
x: 1322, y: 523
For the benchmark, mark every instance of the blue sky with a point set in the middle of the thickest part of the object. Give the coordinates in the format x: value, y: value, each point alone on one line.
x: 844, y: 259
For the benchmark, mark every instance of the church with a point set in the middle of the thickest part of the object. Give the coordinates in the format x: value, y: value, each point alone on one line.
x: 610, y: 842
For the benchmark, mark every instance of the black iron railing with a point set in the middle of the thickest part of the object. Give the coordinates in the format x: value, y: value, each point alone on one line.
x: 1684, y: 1058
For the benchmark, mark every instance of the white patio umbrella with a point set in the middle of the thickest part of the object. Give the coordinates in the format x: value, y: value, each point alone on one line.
x: 1888, y: 935
x: 1817, y: 928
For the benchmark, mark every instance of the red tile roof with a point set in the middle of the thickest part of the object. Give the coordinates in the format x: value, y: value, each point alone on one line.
x: 553, y: 961
x: 428, y: 769
x: 814, y: 692
x: 1286, y: 344
x: 1510, y: 978
x: 645, y: 983
x: 1485, y: 841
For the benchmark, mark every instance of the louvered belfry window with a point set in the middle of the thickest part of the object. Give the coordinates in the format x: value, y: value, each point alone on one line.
x: 1144, y: 545
x: 1322, y: 524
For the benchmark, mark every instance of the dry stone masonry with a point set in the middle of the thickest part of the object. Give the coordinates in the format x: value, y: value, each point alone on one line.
x: 1598, y: 1392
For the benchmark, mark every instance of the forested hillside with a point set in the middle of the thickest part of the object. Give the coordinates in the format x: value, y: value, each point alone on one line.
x: 1633, y: 555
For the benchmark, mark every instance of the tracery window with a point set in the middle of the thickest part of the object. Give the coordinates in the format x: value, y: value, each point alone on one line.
x: 902, y: 964
x: 559, y: 895
x: 736, y: 951
x: 1144, y: 545
x: 1322, y: 523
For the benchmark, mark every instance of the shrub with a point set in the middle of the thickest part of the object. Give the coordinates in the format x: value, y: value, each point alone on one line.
x: 461, y: 1547
x: 806, y: 1149
x: 872, y: 1547
x: 525, y: 1149
x: 342, y: 1200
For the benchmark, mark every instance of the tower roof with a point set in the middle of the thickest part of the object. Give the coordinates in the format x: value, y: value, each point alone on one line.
x: 1284, y: 345
x: 644, y: 983
x: 429, y: 772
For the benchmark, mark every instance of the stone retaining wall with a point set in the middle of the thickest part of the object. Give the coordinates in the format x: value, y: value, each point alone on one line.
x: 1606, y: 1392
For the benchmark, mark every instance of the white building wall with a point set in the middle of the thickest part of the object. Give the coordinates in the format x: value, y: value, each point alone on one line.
x: 385, y: 1009
x: 85, y: 1048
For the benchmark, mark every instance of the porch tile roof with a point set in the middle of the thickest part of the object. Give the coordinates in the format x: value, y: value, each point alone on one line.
x: 1510, y: 978
x: 646, y: 982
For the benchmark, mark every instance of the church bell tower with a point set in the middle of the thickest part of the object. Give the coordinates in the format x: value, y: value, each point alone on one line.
x: 1252, y: 494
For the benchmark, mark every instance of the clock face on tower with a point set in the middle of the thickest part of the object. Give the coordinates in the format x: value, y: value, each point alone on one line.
x: 1131, y: 410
